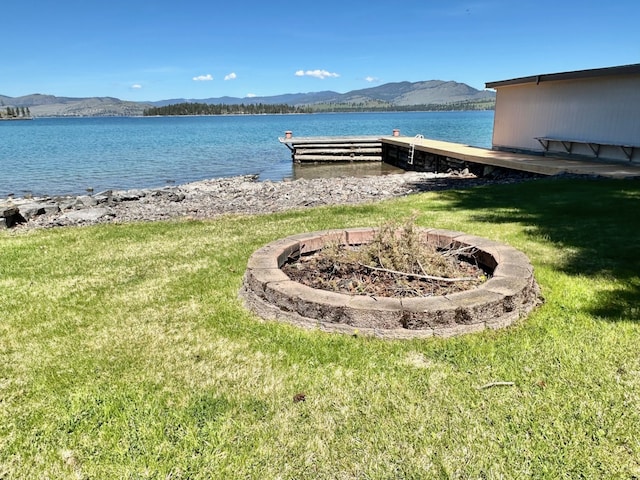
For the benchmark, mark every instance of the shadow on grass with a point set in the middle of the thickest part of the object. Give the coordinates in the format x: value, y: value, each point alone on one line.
x: 597, y: 221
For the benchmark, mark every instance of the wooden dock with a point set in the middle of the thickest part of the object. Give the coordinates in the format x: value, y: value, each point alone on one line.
x: 422, y: 154
x: 413, y: 153
x: 334, y: 149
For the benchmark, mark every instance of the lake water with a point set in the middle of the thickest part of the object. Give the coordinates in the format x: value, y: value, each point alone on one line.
x: 54, y: 156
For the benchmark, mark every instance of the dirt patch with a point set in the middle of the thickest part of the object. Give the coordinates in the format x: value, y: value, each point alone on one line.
x: 317, y: 271
x: 395, y: 263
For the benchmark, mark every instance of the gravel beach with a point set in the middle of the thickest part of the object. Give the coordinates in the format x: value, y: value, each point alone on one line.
x: 233, y: 195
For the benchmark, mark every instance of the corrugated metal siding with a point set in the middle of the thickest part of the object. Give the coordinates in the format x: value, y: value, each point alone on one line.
x: 605, y: 109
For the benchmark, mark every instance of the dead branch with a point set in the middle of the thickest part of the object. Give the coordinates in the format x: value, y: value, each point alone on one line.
x: 454, y: 252
x: 422, y: 277
x: 497, y: 384
x: 421, y: 267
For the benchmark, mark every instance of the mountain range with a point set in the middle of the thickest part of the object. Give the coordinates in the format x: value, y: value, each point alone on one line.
x: 431, y: 92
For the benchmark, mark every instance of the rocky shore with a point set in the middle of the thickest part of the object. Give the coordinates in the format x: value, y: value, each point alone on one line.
x: 240, y: 195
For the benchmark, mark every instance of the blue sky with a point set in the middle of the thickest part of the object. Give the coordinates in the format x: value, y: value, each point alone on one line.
x: 160, y: 49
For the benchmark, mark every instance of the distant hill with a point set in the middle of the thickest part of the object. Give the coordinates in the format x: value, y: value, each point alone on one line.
x: 400, y: 94
x: 431, y: 92
x: 50, y: 105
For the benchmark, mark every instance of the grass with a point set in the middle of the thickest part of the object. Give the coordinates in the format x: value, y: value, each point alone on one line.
x: 125, y: 353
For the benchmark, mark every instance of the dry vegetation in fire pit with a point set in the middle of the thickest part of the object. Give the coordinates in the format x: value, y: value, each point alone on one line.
x: 396, y: 263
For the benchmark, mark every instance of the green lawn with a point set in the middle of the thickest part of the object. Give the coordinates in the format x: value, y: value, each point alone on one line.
x: 125, y: 353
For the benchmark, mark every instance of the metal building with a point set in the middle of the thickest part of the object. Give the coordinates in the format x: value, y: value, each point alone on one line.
x: 594, y: 113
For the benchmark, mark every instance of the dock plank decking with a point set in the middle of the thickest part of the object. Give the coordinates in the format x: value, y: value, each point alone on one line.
x: 418, y: 153
x: 541, y: 164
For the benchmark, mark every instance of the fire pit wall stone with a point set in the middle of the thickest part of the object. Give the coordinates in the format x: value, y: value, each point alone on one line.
x: 508, y: 295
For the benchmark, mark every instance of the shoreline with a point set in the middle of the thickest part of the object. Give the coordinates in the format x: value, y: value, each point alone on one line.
x: 242, y: 194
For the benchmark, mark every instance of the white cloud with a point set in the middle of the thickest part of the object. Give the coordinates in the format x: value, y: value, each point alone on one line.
x: 251, y: 95
x: 136, y: 86
x: 231, y: 76
x: 371, y: 79
x: 203, y: 78
x: 321, y: 74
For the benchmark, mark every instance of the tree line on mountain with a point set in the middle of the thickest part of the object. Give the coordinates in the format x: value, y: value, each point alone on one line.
x: 222, y: 109
x: 484, y: 104
x: 17, y: 112
x: 188, y: 108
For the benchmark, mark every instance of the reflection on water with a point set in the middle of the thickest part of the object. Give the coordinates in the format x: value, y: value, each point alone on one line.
x: 342, y: 169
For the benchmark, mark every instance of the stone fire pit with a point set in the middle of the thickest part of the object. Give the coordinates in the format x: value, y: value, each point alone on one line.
x: 509, y: 294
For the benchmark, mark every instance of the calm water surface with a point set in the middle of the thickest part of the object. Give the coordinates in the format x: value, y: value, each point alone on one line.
x: 70, y: 155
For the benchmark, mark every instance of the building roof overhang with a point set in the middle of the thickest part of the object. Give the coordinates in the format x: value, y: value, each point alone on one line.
x: 633, y: 69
